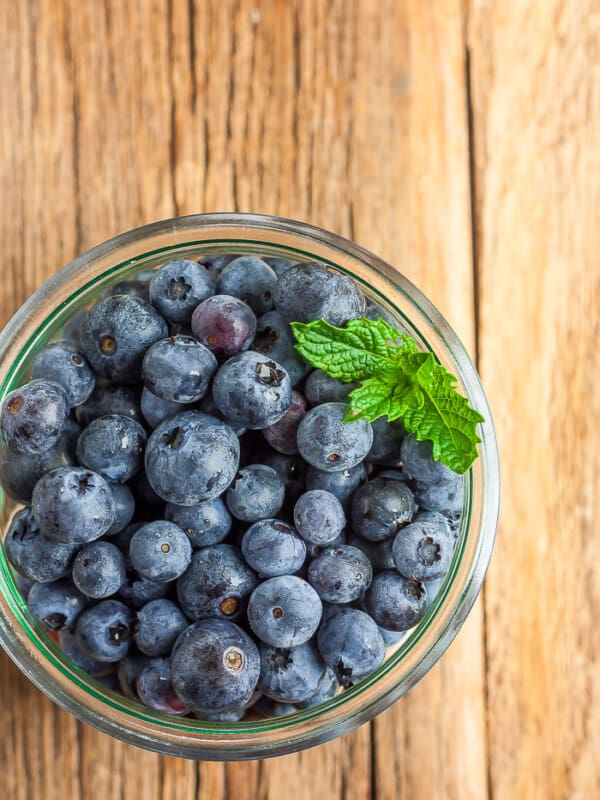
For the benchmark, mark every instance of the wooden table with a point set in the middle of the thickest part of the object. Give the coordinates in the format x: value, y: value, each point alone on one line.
x: 460, y: 141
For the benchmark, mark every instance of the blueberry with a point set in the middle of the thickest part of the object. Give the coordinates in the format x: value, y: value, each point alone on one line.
x: 110, y: 681
x: 290, y: 675
x: 224, y: 324
x: 423, y: 550
x: 315, y: 550
x: 216, y: 263
x: 397, y: 474
x: 387, y: 438
x: 391, y: 638
x: 110, y: 399
x: 129, y: 670
x: 179, y: 369
x: 56, y: 605
x: 99, y: 570
x: 284, y: 611
x: 191, y: 458
x: 104, y: 631
x: 133, y: 287
x: 274, y: 338
x: 319, y: 517
x: 350, y: 643
x: 292, y: 469
x: 418, y: 462
x: 251, y: 280
x: 116, y: 334
x: 216, y: 584
x: 272, y: 547
x: 214, y: 667
x: 252, y: 390
x: 178, y: 287
x: 156, y: 410
x: 256, y: 493
x: 313, y: 291
x: 395, y: 603
x: 381, y: 507
x: 330, y: 444
x: 62, y: 363
x: 73, y: 505
x: 342, y: 484
x: 157, y: 626
x: 271, y: 708
x: 378, y: 553
x: 321, y: 388
x: 124, y: 508
x: 375, y: 311
x: 282, y: 434
x: 32, y: 554
x: 113, y: 446
x: 326, y: 689
x: 160, y: 551
x: 433, y: 587
x: 23, y: 584
x: 155, y: 690
x: 33, y: 416
x: 19, y: 472
x: 147, y: 274
x: 330, y: 610
x: 340, y: 574
x: 136, y: 591
x: 122, y: 540
x: 446, y: 497
x: 72, y: 328
x: 208, y: 406
x: 67, y: 641
x: 278, y: 265
x: 205, y: 523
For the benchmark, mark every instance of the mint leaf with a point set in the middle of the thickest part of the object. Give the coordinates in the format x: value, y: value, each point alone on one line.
x: 398, y: 381
x: 444, y: 416
x: 353, y: 353
x: 375, y: 398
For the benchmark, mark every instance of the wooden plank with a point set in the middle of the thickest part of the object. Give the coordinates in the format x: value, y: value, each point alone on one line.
x: 536, y: 82
x: 403, y: 105
x: 431, y: 744
x: 350, y: 115
x: 39, y: 750
x: 88, y: 156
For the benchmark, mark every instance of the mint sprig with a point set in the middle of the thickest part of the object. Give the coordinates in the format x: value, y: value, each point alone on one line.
x: 398, y: 381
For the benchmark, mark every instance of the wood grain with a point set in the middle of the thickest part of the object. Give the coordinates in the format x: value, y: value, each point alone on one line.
x: 536, y: 102
x: 415, y: 129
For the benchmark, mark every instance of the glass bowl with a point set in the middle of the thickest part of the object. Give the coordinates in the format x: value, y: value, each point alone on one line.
x: 78, y: 284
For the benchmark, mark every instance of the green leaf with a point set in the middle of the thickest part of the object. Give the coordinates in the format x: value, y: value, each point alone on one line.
x: 445, y: 417
x: 362, y: 349
x: 398, y: 381
x: 375, y: 398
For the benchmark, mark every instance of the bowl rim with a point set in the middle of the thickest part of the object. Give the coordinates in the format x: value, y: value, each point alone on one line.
x: 39, y: 660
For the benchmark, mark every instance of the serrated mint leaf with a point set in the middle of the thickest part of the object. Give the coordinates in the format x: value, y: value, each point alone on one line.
x: 445, y: 417
x: 373, y: 399
x: 398, y: 381
x: 362, y: 349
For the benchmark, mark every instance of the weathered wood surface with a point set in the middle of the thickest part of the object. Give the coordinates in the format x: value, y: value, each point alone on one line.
x: 460, y: 142
x: 536, y: 109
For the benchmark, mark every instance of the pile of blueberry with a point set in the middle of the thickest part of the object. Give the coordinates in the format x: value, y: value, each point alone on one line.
x: 200, y: 529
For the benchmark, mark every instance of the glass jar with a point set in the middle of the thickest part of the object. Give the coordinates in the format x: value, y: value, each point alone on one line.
x: 79, y: 284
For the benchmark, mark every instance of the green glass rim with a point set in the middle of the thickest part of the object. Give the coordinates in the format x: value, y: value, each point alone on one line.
x: 206, y: 246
